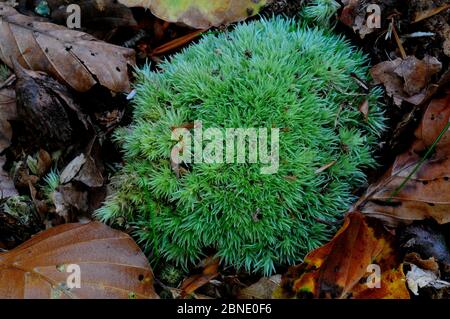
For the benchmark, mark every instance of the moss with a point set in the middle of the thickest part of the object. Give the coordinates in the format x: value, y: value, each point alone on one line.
x: 4, y: 72
x: 271, y: 74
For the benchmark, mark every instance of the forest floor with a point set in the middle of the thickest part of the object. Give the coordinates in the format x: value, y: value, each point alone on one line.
x: 61, y: 175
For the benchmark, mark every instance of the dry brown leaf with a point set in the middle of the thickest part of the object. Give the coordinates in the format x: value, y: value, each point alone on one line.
x: 339, y: 269
x: 406, y: 80
x: 354, y: 15
x: 111, y: 265
x: 426, y: 194
x: 419, y: 16
x: 263, y: 289
x: 73, y: 57
x: 200, y: 14
x: 210, y: 271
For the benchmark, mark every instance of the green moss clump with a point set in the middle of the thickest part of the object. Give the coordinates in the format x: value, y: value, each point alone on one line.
x: 271, y: 74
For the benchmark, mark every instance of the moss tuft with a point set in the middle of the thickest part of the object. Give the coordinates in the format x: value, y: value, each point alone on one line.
x: 266, y: 74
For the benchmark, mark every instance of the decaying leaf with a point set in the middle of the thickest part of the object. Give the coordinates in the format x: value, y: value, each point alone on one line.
x: 400, y: 196
x: 73, y: 57
x: 406, y: 80
x: 420, y: 278
x: 110, y: 265
x: 354, y: 15
x: 346, y: 267
x: 8, y: 112
x: 200, y: 14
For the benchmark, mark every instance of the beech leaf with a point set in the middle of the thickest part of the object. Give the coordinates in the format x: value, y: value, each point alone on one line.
x: 74, y: 58
x: 111, y: 265
x: 200, y: 14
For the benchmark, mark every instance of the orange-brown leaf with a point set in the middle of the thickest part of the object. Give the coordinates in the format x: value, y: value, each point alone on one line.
x: 339, y: 268
x: 111, y: 265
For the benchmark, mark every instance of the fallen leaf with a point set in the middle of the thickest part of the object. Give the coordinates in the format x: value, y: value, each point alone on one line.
x: 420, y: 278
x: 75, y: 58
x: 354, y: 15
x: 96, y: 15
x: 427, y: 264
x: 342, y: 267
x: 84, y: 169
x: 406, y: 80
x: 210, y: 271
x: 419, y: 16
x: 263, y: 289
x: 414, y: 188
x: 200, y: 14
x: 7, y: 188
x: 110, y: 263
x: 8, y: 112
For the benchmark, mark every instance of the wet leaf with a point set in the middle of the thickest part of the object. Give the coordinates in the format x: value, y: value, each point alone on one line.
x: 111, y: 265
x: 342, y: 267
x: 200, y: 14
x: 74, y: 58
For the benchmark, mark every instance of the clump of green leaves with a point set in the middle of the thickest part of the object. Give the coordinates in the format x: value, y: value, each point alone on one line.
x: 270, y: 73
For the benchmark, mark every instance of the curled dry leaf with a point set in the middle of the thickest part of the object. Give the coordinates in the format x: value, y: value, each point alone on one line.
x: 406, y: 80
x: 73, y: 57
x: 111, y: 265
x: 344, y: 267
x: 200, y: 14
x: 400, y: 196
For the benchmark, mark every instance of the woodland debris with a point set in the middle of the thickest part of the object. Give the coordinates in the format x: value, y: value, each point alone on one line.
x: 412, y: 188
x: 47, y: 109
x: 74, y: 58
x: 343, y: 268
x: 406, y: 79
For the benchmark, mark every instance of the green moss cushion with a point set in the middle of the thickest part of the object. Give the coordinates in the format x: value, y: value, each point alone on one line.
x: 267, y: 74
